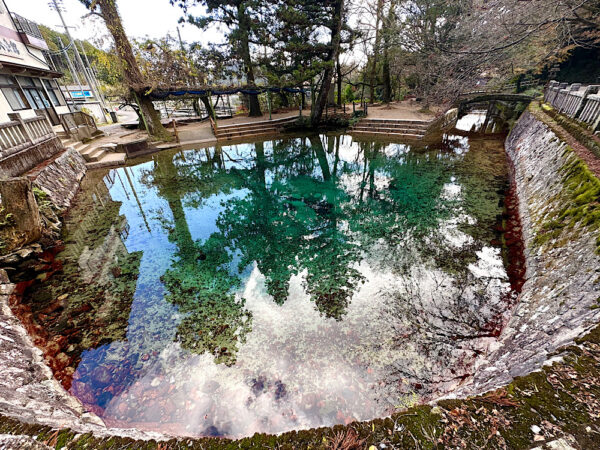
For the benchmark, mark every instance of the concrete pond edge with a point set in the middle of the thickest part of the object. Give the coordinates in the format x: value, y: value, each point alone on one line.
x: 540, y: 379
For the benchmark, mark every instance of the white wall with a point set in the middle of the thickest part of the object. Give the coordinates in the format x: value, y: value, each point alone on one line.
x: 18, y: 53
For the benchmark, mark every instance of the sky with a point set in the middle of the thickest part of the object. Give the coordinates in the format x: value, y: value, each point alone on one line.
x: 153, y: 18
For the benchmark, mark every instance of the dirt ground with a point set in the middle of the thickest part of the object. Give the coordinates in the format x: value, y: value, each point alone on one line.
x: 407, y: 109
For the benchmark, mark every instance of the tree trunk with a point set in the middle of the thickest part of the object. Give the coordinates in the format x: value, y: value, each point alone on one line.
x: 339, y: 81
x: 386, y: 29
x: 373, y: 80
x: 209, y: 107
x: 387, y: 81
x: 244, y: 27
x: 131, y: 71
x: 336, y: 38
x: 285, y: 102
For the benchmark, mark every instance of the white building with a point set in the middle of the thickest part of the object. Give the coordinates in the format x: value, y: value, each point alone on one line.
x: 27, y: 83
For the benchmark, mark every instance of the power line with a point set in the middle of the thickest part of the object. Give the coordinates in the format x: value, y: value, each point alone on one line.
x: 57, y: 5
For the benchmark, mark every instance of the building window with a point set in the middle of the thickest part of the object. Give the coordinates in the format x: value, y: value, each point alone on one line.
x: 32, y: 87
x: 13, y: 93
x: 54, y: 92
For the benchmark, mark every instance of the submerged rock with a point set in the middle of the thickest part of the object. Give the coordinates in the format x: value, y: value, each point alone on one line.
x: 101, y: 377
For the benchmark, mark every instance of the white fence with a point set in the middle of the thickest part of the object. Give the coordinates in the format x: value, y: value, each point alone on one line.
x: 576, y: 101
x: 19, y: 134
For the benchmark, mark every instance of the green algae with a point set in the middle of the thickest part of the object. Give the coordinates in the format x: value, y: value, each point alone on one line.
x: 580, y: 196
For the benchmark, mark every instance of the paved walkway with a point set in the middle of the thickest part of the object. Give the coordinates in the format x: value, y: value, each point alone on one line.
x: 405, y: 110
x: 200, y: 133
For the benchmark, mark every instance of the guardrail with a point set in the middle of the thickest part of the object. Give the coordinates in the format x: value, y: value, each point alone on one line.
x: 19, y: 133
x: 72, y: 123
x: 576, y: 101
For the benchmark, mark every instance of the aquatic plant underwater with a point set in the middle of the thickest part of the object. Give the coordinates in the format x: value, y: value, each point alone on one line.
x: 278, y: 285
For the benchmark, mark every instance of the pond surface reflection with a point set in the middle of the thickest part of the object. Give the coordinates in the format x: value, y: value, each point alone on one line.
x: 279, y: 285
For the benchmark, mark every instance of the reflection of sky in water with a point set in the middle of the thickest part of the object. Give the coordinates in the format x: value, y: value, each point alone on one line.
x: 299, y: 368
x: 472, y: 121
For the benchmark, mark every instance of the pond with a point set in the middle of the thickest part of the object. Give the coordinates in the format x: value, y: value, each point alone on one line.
x: 279, y: 285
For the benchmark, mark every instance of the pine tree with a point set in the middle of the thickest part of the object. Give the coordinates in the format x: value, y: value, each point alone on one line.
x: 107, y: 9
x: 240, y: 18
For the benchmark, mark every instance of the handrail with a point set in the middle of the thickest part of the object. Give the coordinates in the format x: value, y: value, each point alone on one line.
x: 213, y: 125
x: 19, y: 134
x: 576, y: 101
x: 73, y: 120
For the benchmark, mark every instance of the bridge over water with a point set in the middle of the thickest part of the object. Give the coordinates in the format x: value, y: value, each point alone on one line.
x: 481, y: 97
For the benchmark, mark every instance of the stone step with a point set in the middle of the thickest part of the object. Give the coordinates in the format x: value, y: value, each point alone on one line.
x: 398, y: 121
x: 384, y: 122
x: 406, y: 129
x: 110, y: 147
x: 221, y: 132
x: 108, y: 160
x: 390, y: 135
x: 75, y: 144
x: 256, y: 124
x: 249, y: 135
x: 92, y: 154
x: 263, y: 130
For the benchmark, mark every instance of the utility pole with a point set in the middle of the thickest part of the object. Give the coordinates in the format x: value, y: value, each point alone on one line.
x: 92, y: 76
x: 77, y: 56
x: 71, y: 68
x: 180, y: 40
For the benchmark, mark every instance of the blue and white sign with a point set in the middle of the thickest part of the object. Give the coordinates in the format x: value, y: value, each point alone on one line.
x: 81, y: 94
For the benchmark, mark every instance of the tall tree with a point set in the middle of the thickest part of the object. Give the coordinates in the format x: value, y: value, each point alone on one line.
x: 387, y: 31
x: 376, y: 49
x: 336, y: 26
x: 240, y: 17
x: 107, y: 9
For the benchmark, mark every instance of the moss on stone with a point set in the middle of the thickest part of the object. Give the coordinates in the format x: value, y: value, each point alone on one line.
x: 581, y: 196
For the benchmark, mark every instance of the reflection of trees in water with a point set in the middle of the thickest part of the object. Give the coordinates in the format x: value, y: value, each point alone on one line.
x: 292, y: 224
x: 198, y: 281
x: 303, y: 210
x: 441, y: 323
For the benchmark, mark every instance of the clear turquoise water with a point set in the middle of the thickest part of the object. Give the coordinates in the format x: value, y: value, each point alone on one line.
x: 279, y: 285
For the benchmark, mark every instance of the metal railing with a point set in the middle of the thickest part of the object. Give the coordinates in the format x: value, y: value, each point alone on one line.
x: 576, y: 101
x: 19, y: 134
x: 27, y: 26
x: 74, y: 120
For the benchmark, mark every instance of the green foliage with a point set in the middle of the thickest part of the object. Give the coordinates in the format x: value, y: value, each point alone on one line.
x: 5, y: 218
x: 106, y: 64
x: 41, y: 197
x: 348, y: 94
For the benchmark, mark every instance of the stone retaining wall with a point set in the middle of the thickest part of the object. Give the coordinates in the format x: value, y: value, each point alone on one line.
x: 559, y: 300
x: 31, y: 216
x: 19, y: 163
x: 60, y: 178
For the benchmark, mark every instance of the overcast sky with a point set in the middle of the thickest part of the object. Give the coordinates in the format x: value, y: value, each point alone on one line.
x: 154, y: 18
